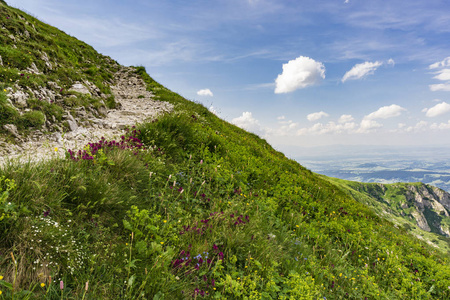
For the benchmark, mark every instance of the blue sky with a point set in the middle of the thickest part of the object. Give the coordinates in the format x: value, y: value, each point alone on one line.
x: 298, y: 73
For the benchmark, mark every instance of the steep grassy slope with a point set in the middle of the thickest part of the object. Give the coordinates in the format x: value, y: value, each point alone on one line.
x: 39, y: 66
x: 190, y: 206
x: 419, y: 208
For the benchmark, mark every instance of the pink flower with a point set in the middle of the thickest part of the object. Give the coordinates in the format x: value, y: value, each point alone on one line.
x: 61, y: 285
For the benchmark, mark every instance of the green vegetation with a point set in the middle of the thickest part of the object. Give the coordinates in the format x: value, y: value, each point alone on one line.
x: 190, y: 206
x: 396, y: 202
x: 34, y: 55
x: 185, y: 207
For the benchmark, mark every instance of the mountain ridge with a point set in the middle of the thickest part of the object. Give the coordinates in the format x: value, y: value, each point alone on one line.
x: 187, y: 206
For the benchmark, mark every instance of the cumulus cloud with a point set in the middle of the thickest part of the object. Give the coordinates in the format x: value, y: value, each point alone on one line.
x: 328, y: 128
x: 205, y: 92
x: 316, y: 116
x: 249, y: 123
x: 437, y: 110
x: 386, y: 112
x: 391, y: 62
x: 299, y: 73
x: 345, y: 119
x: 361, y: 70
x: 441, y: 126
x: 440, y: 87
x: 419, y: 127
x: 368, y: 125
x: 441, y: 64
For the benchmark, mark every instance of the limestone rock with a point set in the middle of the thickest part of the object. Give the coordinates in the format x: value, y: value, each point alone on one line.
x: 45, y: 58
x: 72, y: 123
x: 20, y: 98
x: 80, y: 88
x: 11, y: 128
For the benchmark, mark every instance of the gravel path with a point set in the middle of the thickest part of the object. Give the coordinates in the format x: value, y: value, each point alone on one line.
x: 136, y: 105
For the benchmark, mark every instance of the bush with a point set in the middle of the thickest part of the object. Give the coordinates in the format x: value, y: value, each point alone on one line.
x: 32, y: 119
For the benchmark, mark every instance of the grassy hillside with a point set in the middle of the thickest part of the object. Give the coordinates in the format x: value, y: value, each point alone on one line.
x: 40, y: 64
x: 192, y: 207
x: 403, y: 204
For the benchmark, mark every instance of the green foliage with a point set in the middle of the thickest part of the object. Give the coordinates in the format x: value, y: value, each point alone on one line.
x: 32, y: 119
x: 188, y: 207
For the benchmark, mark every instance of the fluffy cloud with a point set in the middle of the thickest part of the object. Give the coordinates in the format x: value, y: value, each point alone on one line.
x: 441, y: 64
x: 443, y: 75
x: 316, y: 116
x: 345, y: 119
x: 247, y: 122
x: 419, y: 127
x: 385, y: 112
x: 330, y: 127
x: 205, y: 92
x: 391, y: 62
x: 440, y: 126
x: 440, y: 87
x: 361, y: 70
x: 368, y: 126
x: 213, y: 110
x: 437, y: 110
x: 298, y: 74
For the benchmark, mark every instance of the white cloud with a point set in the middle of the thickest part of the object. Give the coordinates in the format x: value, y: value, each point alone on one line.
x: 361, y: 70
x: 281, y: 118
x: 345, y: 119
x: 440, y: 87
x: 438, y: 110
x: 329, y: 128
x: 368, y: 125
x: 440, y: 126
x: 441, y: 64
x: 298, y: 74
x: 385, y: 112
x: 316, y: 116
x: 247, y: 122
x: 391, y: 62
x: 443, y: 75
x: 213, y: 110
x: 205, y: 92
x: 419, y: 127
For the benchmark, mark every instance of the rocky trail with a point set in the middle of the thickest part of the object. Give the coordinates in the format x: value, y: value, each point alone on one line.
x: 135, y: 105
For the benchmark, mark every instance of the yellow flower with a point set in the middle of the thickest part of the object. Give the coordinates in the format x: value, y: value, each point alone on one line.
x: 162, y: 243
x: 165, y: 221
x: 1, y: 277
x: 0, y: 292
x: 4, y: 90
x: 42, y: 284
x: 56, y: 149
x: 297, y: 226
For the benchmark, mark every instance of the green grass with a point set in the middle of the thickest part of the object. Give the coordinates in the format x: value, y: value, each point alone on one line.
x: 185, y: 207
x: 70, y: 60
x: 263, y: 226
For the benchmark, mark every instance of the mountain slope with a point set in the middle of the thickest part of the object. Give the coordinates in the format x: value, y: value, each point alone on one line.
x: 189, y: 206
x: 418, y: 207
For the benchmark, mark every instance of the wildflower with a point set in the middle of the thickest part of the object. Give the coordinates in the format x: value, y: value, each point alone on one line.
x: 61, y: 285
x: 162, y: 243
x: 42, y: 284
x: 56, y: 149
x: 1, y: 277
x: 165, y: 221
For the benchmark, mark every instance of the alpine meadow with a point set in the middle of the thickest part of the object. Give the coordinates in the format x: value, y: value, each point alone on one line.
x: 182, y: 204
